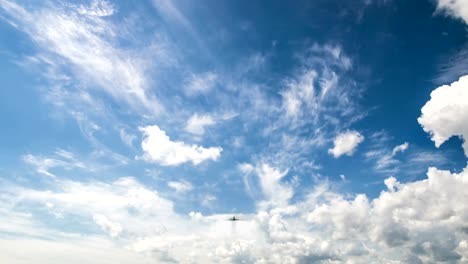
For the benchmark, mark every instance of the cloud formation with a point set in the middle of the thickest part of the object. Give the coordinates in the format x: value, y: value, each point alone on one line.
x: 345, y: 143
x: 275, y: 192
x: 197, y: 123
x: 115, y: 219
x: 318, y: 88
x: 446, y: 113
x: 400, y: 148
x: 403, y: 224
x: 61, y: 159
x: 159, y: 148
x: 180, y: 186
x: 201, y: 83
x: 78, y: 42
x: 455, y: 8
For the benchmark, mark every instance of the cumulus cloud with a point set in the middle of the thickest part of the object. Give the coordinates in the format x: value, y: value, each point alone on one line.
x: 345, y: 143
x: 455, y: 8
x: 446, y: 113
x: 416, y: 222
x: 159, y: 148
x: 197, y: 123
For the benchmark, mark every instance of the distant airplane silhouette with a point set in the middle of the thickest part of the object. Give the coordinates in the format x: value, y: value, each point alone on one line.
x: 233, y: 219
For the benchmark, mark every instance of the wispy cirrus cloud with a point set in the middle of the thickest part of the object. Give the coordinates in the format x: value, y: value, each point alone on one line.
x: 201, y: 83
x: 318, y: 89
x: 78, y: 42
x: 61, y: 159
x: 400, y: 148
x: 269, y: 182
x: 127, y: 138
x: 283, y: 124
x: 180, y: 186
x: 197, y: 123
x: 319, y: 96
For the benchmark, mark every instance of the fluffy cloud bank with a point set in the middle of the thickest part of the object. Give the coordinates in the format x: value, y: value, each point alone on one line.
x: 159, y: 148
x: 417, y: 222
x: 446, y: 113
x: 345, y: 143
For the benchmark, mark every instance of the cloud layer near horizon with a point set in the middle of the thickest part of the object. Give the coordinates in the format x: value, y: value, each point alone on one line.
x: 404, y: 223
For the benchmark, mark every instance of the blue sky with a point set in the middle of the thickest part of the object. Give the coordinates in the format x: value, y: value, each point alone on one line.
x: 131, y: 130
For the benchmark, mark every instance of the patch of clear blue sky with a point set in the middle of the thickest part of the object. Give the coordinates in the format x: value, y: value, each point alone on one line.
x: 396, y: 48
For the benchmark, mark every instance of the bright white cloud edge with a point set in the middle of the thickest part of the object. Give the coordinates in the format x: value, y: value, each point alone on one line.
x: 446, y: 113
x: 345, y: 143
x: 455, y: 8
x: 159, y: 148
x: 403, y: 223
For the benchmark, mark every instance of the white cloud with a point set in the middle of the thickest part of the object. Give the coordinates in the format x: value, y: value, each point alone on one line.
x: 123, y: 205
x: 406, y: 223
x: 317, y: 89
x: 100, y: 8
x: 269, y: 190
x: 208, y: 200
x: 201, y: 83
x: 180, y: 186
x: 127, y: 138
x: 391, y: 161
x: 300, y: 93
x: 114, y: 229
x: 385, y: 160
x: 72, y: 249
x: 391, y: 183
x: 159, y: 148
x: 456, y: 8
x: 446, y: 113
x: 62, y: 159
x: 275, y: 192
x: 416, y: 222
x: 346, y: 143
x: 197, y: 123
x: 400, y: 148
x: 80, y: 41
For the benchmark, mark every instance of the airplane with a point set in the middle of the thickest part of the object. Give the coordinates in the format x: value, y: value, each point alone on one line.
x: 233, y: 219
